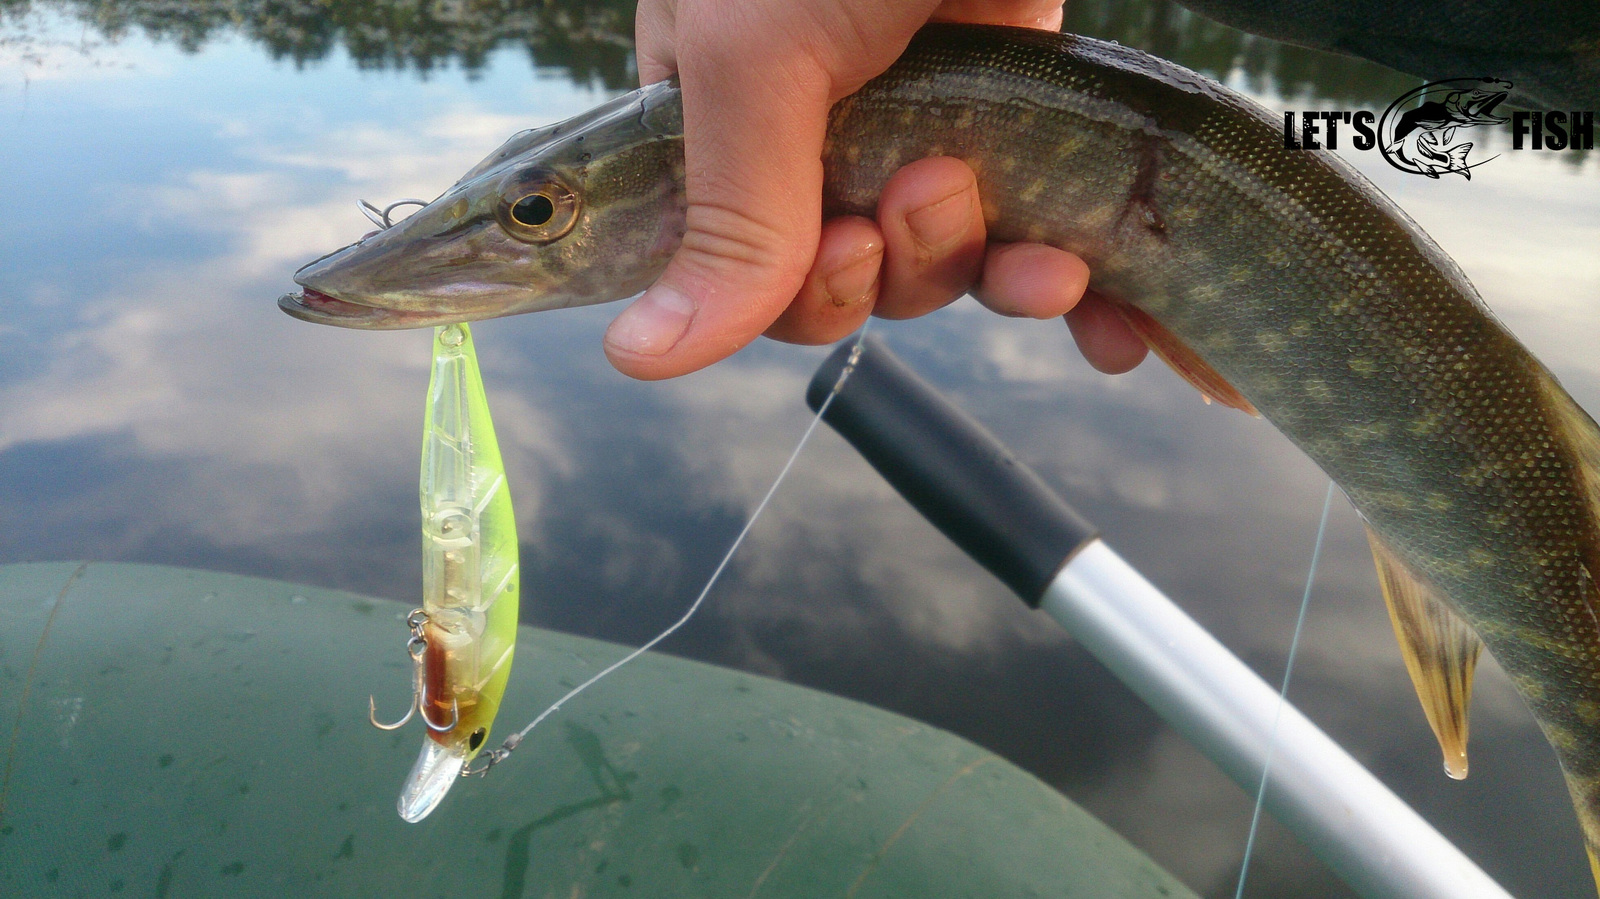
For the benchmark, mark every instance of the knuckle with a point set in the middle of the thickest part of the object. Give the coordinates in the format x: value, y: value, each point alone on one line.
x: 720, y: 238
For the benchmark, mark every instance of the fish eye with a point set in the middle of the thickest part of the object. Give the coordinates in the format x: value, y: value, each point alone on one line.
x: 476, y: 740
x: 536, y: 207
x: 533, y: 210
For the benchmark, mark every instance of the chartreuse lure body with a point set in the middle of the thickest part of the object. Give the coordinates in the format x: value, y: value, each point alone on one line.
x: 463, y: 635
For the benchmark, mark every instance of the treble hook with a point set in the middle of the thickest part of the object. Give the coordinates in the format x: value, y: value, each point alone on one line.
x: 417, y: 648
x: 372, y: 714
x: 416, y: 703
x: 455, y: 718
x: 380, y: 217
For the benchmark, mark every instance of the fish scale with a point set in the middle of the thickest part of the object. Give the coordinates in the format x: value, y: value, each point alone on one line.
x: 1279, y: 281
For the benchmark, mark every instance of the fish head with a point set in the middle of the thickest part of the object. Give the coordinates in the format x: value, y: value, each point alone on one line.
x: 1477, y: 106
x: 1464, y: 107
x: 585, y: 211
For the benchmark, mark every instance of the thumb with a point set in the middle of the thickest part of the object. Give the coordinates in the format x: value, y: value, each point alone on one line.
x: 753, y: 174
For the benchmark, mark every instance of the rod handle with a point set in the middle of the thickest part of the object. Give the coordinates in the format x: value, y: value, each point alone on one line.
x: 957, y: 474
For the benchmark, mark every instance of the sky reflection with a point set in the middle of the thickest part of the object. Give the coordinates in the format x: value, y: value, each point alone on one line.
x: 159, y: 408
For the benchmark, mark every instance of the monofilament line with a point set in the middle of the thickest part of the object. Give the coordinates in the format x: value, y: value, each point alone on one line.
x: 513, y: 740
x: 1283, y: 694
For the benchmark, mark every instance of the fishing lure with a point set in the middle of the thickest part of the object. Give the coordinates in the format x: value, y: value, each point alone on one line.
x: 463, y: 636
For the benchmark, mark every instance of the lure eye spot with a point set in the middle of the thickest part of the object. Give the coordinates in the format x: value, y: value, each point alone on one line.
x: 476, y: 739
x: 534, y: 210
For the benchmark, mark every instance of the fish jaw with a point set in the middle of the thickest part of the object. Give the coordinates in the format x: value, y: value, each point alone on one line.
x: 1478, y: 107
x: 380, y: 284
x: 445, y: 263
x: 596, y: 231
x: 313, y: 306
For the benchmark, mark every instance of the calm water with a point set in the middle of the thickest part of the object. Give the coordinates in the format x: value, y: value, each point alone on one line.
x: 164, y: 174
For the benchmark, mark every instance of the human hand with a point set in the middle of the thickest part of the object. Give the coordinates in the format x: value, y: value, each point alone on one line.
x: 758, y: 78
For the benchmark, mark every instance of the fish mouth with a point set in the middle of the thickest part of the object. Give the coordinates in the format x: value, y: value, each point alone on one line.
x: 386, y: 282
x: 1479, y: 108
x: 1484, y: 113
x: 311, y: 305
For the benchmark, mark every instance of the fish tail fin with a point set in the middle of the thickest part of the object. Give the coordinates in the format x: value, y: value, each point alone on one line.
x: 1440, y: 650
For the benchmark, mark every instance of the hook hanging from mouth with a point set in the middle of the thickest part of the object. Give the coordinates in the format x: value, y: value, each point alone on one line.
x: 416, y: 647
x: 381, y: 217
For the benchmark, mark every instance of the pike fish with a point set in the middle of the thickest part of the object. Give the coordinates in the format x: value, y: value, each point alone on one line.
x: 1279, y: 282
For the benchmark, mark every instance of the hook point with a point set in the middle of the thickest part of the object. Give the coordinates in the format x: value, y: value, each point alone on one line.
x: 372, y: 715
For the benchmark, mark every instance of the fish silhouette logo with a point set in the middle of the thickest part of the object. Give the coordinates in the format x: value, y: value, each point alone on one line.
x: 1427, y: 138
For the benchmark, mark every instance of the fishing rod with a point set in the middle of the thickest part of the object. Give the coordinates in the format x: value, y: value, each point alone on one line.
x: 1003, y: 515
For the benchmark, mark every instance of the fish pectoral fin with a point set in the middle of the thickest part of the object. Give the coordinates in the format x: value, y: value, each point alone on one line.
x: 1183, y: 360
x: 1441, y: 652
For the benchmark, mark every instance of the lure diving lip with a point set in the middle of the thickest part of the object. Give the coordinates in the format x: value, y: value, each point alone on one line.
x: 435, y: 771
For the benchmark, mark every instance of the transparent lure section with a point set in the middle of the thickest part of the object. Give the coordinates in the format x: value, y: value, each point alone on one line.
x: 464, y: 637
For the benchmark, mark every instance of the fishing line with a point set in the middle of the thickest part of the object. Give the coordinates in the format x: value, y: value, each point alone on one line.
x: 1283, y: 694
x: 495, y: 756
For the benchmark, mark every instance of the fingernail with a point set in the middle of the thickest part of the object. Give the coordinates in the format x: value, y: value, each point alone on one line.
x: 937, y: 225
x: 653, y: 324
x: 852, y: 285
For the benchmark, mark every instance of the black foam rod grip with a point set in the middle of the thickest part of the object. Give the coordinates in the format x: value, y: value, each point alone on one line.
x: 957, y: 474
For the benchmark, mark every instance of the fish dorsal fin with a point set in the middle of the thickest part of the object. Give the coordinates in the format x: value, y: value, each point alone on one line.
x: 1440, y: 649
x: 1183, y: 360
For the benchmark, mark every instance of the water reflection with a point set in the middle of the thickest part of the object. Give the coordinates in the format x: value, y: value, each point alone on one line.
x: 160, y: 409
x: 1551, y: 49
x: 1173, y: 32
x: 591, y: 40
